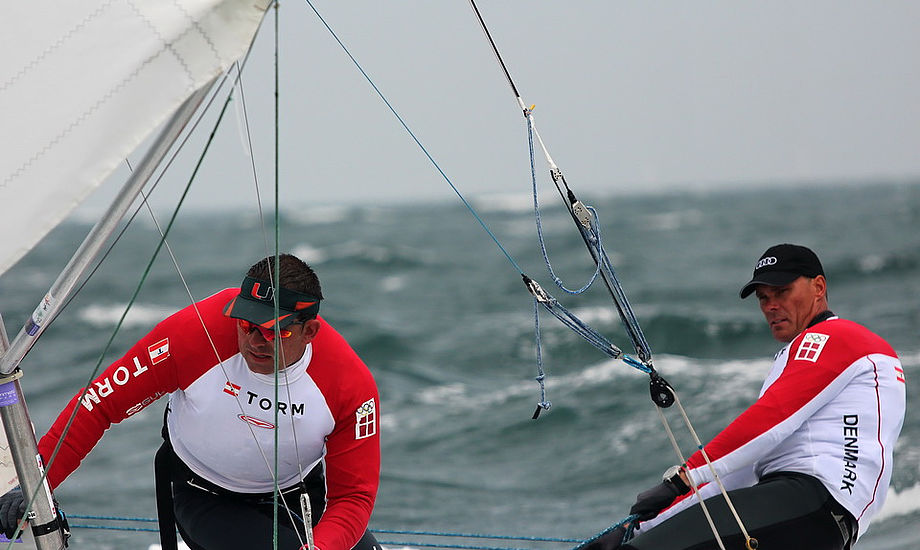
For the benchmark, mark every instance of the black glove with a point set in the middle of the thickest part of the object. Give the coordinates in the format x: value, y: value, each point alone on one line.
x: 12, y: 508
x: 610, y: 541
x: 651, y: 502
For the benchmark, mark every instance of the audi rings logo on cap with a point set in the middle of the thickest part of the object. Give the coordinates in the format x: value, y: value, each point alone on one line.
x: 764, y: 262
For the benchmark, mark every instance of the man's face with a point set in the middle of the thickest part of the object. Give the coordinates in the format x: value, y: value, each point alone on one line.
x: 788, y: 309
x: 259, y: 352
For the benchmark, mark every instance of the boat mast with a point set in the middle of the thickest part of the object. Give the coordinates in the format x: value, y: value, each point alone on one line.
x: 43, y: 518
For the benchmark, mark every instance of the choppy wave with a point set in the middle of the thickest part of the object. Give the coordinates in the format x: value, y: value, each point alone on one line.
x: 319, y: 215
x: 356, y: 252
x: 674, y: 220
x: 880, y: 263
x: 901, y: 503
x: 109, y: 315
x: 508, y: 203
x: 431, y: 305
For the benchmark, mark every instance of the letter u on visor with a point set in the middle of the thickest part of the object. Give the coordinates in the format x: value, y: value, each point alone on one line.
x: 256, y: 304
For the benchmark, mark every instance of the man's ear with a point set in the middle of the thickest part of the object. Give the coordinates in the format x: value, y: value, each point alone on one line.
x: 820, y: 284
x: 310, y: 330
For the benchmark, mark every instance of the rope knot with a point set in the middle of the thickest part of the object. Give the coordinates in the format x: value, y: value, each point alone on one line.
x: 540, y: 407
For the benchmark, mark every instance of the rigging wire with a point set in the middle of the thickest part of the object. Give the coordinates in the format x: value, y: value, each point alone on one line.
x: 662, y: 393
x: 404, y: 543
x: 181, y: 144
x: 163, y: 242
x: 537, y: 217
x: 275, y: 298
x: 557, y: 310
x: 405, y: 126
x: 121, y: 320
x: 547, y: 301
x: 79, y: 288
x: 577, y: 210
x: 244, y: 116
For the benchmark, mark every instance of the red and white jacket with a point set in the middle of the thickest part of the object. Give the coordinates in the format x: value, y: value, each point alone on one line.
x: 221, y: 414
x: 831, y: 407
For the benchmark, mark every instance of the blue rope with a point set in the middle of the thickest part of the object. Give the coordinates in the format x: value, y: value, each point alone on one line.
x: 582, y: 329
x: 112, y: 518
x: 568, y: 319
x: 592, y: 336
x: 543, y: 403
x: 114, y: 528
x: 412, y: 533
x: 632, y: 324
x: 536, y: 211
x: 580, y: 543
x: 592, y: 235
x: 414, y: 138
x: 631, y: 520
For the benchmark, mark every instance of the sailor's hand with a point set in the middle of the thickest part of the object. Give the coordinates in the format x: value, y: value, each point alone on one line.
x: 651, y: 502
x: 12, y: 508
x: 610, y: 541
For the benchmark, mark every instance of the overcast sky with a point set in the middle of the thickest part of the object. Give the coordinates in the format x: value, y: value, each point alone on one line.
x: 629, y: 96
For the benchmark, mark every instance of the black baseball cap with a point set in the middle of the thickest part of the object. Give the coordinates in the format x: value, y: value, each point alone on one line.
x: 256, y: 303
x: 782, y: 264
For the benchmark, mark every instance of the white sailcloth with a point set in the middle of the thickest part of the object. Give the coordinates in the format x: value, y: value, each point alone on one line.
x: 83, y: 83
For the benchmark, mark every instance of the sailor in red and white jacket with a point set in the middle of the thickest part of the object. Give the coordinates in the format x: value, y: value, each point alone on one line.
x: 831, y: 407
x: 215, y: 359
x: 826, y: 422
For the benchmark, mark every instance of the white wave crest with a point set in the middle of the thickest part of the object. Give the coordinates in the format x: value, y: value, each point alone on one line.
x: 393, y: 283
x: 312, y: 255
x: 503, y: 203
x: 671, y: 221
x: 318, y: 214
x: 108, y: 315
x: 900, y: 503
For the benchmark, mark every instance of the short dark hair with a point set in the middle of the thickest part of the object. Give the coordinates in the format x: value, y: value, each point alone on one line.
x: 293, y: 274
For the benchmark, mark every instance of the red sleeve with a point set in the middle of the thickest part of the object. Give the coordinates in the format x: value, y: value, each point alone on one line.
x: 148, y: 371
x: 802, y: 388
x: 769, y: 420
x: 353, y: 448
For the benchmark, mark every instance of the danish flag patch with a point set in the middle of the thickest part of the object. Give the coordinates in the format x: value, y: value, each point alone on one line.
x: 366, y: 420
x: 158, y: 351
x: 811, y: 346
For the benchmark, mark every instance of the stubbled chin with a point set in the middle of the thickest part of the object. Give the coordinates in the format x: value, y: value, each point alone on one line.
x: 781, y: 335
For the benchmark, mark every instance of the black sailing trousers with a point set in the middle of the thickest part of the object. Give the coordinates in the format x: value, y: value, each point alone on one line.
x: 785, y: 510
x: 214, y: 522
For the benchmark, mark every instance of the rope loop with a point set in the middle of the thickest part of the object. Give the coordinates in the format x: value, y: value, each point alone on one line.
x: 539, y: 224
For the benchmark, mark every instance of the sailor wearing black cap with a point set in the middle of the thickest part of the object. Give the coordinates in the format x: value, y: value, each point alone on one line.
x: 807, y: 466
x: 783, y: 264
x: 789, y: 283
x: 248, y: 370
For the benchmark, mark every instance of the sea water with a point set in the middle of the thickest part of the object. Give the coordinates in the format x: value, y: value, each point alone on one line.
x: 439, y: 313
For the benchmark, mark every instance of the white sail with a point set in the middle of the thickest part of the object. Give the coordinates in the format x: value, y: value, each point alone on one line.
x: 83, y: 82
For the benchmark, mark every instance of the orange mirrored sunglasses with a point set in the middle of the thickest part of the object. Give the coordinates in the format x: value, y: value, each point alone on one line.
x: 268, y: 334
